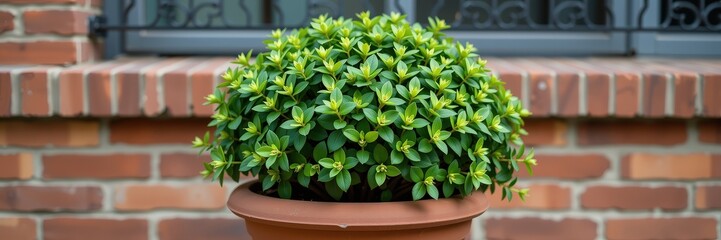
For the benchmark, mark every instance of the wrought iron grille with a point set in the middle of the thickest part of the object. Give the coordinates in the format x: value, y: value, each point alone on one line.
x: 466, y: 16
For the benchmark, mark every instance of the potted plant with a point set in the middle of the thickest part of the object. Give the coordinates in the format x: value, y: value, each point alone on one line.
x: 364, y: 129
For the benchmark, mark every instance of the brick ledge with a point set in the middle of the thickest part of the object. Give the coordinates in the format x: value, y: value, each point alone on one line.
x: 549, y: 87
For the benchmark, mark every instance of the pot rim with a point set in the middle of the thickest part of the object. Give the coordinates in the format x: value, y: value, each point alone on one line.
x: 341, y: 216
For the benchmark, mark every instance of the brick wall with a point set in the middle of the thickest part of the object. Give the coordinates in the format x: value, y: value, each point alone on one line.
x: 47, y: 31
x: 102, y: 151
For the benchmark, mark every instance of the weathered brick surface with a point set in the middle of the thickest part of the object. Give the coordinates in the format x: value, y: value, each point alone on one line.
x: 18, y: 228
x: 181, y: 165
x: 709, y: 131
x: 61, y: 22
x: 50, y: 198
x: 537, y: 228
x: 95, y: 228
x: 6, y: 21
x: 694, y: 166
x: 666, y: 228
x: 16, y: 166
x: 546, y: 132
x: 545, y: 197
x: 150, y: 197
x: 627, y: 94
x: 43, y: 133
x: 632, y: 132
x: 708, y: 197
x: 152, y: 131
x: 568, y: 166
x: 100, y: 166
x: 34, y: 92
x: 202, y: 228
x: 634, y: 198
x: 40, y: 52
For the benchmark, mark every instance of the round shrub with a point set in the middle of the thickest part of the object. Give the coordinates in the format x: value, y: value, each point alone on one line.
x: 371, y: 109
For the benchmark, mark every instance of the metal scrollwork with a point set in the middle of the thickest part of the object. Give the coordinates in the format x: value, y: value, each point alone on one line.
x: 550, y: 15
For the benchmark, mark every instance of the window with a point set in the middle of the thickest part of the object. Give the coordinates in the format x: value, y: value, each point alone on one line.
x: 495, y: 27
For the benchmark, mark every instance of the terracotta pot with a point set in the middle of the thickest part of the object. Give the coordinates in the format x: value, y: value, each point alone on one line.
x: 269, y: 218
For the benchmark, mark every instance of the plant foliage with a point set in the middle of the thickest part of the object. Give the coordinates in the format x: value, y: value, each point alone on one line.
x: 372, y: 109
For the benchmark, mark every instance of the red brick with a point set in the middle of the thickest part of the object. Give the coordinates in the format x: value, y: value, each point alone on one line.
x: 545, y: 132
x: 182, y: 165
x: 16, y: 166
x: 50, y: 198
x: 202, y: 228
x: 63, y: 22
x: 203, y: 83
x: 567, y: 95
x: 599, y: 132
x: 150, y: 197
x: 40, y: 52
x: 597, y: 94
x: 541, y: 197
x: 71, y: 92
x: 631, y: 198
x: 6, y: 21
x: 708, y: 197
x: 176, y: 85
x: 540, y: 102
x: 661, y: 228
x: 157, y: 131
x: 128, y: 88
x: 627, y: 91
x: 709, y: 131
x: 90, y: 50
x: 643, y: 166
x: 151, y: 104
x: 34, y: 92
x: 539, y: 229
x: 514, y: 83
x: 711, y: 97
x: 5, y: 94
x: 18, y: 228
x: 576, y: 167
x: 42, y: 133
x: 100, y: 89
x: 654, y: 95
x: 106, y: 166
x: 94, y: 228
x: 684, y: 99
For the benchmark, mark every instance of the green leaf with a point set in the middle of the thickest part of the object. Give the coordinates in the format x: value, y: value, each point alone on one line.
x: 425, y: 146
x: 371, y: 114
x: 380, y: 154
x: 419, y: 191
x: 352, y: 134
x: 336, y: 140
x: 343, y: 180
x: 284, y: 190
x: 392, y: 171
x: 416, y: 174
x: 339, y: 124
x: 283, y: 163
x: 272, y: 139
x: 380, y: 178
x: 235, y: 123
x: 320, y: 151
x: 386, y: 134
x: 413, y: 155
x: 432, y: 191
x: 371, y: 136
x: 442, y: 146
x: 363, y: 156
x: 448, y: 189
x: 396, y: 157
x: 454, y: 144
x: 326, y: 162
